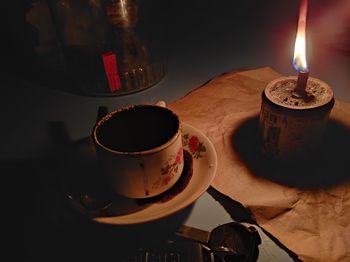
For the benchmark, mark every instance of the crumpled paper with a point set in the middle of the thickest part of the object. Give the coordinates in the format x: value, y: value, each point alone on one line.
x: 306, y: 206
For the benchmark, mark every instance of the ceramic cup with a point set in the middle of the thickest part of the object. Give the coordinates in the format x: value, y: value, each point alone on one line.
x: 140, y: 150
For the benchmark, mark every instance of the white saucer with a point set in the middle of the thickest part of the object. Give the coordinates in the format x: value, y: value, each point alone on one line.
x: 204, y: 165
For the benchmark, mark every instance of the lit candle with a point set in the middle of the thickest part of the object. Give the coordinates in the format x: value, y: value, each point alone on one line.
x: 295, y: 110
x: 299, y: 60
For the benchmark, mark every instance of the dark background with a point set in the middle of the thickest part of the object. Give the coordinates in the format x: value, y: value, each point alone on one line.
x: 215, y: 36
x: 41, y: 112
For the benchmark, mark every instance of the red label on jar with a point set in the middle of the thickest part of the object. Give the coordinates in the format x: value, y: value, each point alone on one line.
x: 111, y: 70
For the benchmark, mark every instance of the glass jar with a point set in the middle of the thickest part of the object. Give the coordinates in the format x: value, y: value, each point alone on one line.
x: 109, y: 48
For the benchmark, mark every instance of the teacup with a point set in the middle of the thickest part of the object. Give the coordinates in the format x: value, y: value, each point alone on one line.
x: 140, y: 150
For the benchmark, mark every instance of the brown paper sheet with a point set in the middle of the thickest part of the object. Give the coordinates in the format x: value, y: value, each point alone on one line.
x: 306, y: 208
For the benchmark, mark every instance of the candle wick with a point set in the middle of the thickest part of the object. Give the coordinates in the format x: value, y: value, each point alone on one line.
x: 300, y: 89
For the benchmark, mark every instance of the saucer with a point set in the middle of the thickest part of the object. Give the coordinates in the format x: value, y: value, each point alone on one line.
x: 202, y: 162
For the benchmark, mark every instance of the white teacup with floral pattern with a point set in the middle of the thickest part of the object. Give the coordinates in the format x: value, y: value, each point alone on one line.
x: 140, y: 150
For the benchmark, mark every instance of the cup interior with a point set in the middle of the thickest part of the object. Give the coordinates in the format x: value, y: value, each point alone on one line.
x: 137, y: 128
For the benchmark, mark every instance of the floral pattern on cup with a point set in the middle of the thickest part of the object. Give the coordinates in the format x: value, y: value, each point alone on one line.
x: 193, y: 144
x: 170, y: 168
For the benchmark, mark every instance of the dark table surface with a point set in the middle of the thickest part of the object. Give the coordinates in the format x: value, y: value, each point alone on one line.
x: 205, y: 39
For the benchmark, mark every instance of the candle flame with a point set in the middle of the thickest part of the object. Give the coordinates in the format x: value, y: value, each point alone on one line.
x: 123, y: 7
x: 299, y: 61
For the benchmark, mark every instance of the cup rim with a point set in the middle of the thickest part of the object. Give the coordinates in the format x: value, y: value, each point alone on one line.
x: 135, y: 153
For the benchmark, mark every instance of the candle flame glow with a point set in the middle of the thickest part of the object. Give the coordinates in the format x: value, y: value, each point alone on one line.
x: 299, y: 61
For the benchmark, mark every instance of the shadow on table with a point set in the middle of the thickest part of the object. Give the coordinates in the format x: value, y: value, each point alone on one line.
x: 42, y: 226
x: 243, y: 215
x: 327, y: 167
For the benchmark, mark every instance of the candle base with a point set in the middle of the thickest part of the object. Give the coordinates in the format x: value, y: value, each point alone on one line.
x: 292, y: 126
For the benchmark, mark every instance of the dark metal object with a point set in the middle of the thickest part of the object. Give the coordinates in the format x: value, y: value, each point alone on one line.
x: 229, y: 242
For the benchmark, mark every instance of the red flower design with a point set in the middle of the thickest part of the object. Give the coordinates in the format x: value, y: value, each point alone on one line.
x: 166, y: 180
x: 170, y: 169
x: 178, y: 157
x: 193, y: 144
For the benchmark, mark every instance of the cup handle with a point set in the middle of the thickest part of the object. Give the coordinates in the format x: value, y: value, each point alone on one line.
x: 161, y: 103
x: 101, y: 112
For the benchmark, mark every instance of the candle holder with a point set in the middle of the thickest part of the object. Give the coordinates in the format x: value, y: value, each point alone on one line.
x: 291, y: 125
